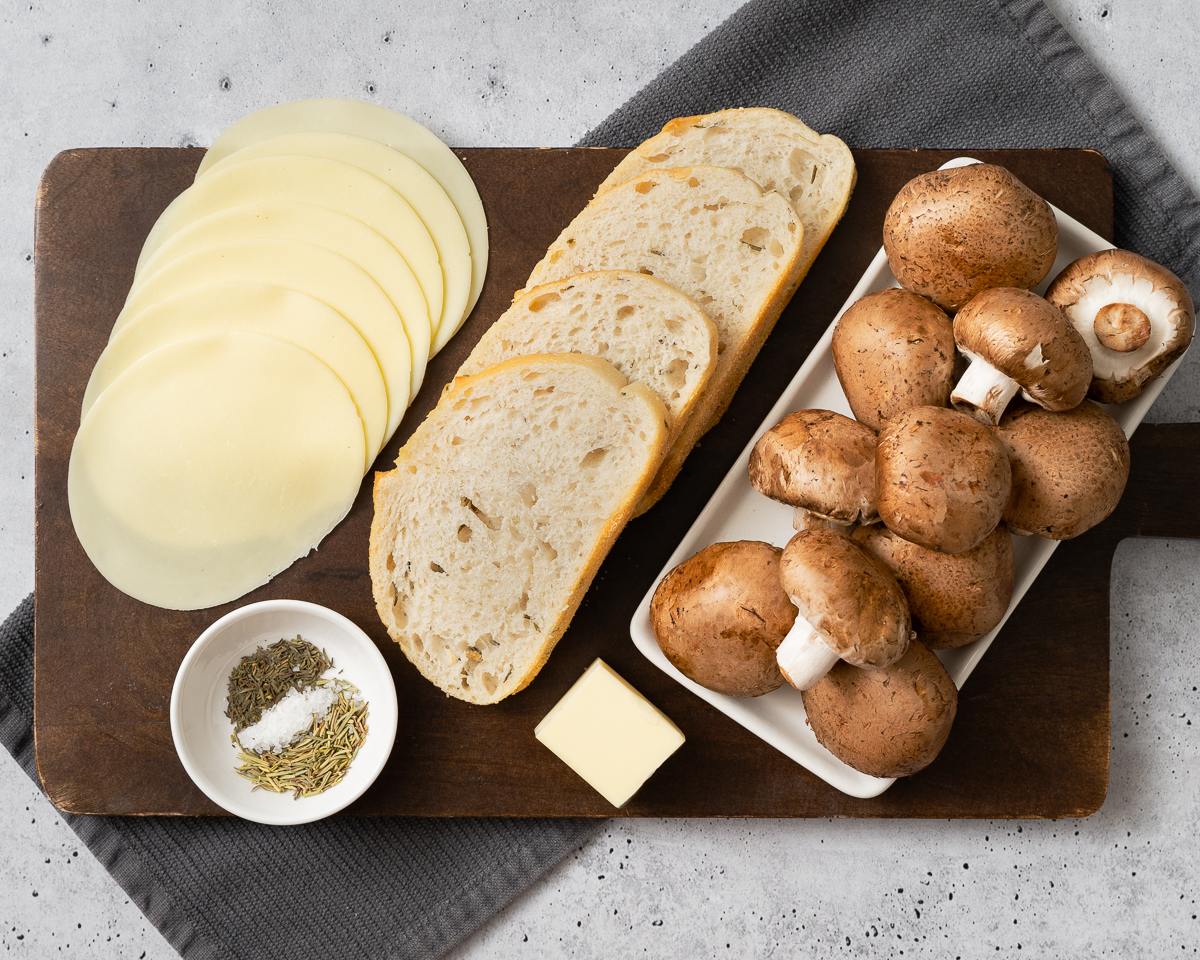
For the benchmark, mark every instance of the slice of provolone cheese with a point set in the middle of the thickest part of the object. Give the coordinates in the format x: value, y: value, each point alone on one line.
x: 409, y: 179
x: 333, y: 115
x: 212, y: 464
x: 322, y: 227
x: 322, y: 183
x: 254, y: 308
x: 321, y: 274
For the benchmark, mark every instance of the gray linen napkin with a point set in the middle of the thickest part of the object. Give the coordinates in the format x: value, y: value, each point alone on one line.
x: 879, y: 73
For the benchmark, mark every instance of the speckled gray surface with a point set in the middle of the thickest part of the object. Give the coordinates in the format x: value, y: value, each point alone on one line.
x: 1121, y: 883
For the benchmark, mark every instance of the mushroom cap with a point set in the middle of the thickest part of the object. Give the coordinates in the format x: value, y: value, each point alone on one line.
x: 847, y: 596
x: 950, y: 234
x: 1092, y: 283
x: 720, y: 614
x: 885, y: 723
x: 954, y: 599
x: 892, y: 350
x: 942, y: 478
x: 1029, y: 339
x: 821, y: 461
x: 1069, y: 469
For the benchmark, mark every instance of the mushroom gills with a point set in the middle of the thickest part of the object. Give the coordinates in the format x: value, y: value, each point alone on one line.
x: 804, y: 657
x: 983, y: 391
x: 1112, y: 297
x: 1100, y: 294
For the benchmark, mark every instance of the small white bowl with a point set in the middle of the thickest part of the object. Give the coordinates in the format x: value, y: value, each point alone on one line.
x: 202, y: 731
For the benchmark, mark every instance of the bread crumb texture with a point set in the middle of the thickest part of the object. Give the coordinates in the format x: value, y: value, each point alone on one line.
x: 644, y: 327
x: 502, y: 505
x: 709, y: 232
x: 713, y: 235
x: 812, y: 171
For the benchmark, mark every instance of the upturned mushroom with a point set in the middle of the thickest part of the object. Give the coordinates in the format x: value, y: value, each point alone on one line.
x: 1136, y: 317
x: 954, y: 599
x: 849, y: 608
x: 821, y: 464
x: 1018, y: 341
x: 1069, y: 469
x: 941, y: 478
x: 950, y: 234
x: 720, y: 615
x: 892, y: 350
x: 885, y: 723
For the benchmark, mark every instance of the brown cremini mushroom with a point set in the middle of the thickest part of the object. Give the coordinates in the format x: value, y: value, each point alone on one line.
x: 720, y: 614
x: 885, y: 723
x: 820, y: 463
x: 1017, y: 341
x: 942, y: 478
x: 849, y: 607
x: 892, y: 350
x: 950, y: 234
x: 1069, y: 469
x: 954, y: 599
x: 1136, y: 317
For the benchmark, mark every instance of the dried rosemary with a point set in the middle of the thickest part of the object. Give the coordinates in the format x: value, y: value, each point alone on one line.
x: 264, y: 677
x: 320, y: 758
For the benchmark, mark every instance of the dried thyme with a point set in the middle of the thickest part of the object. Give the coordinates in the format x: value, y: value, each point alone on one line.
x: 264, y: 677
x: 321, y: 758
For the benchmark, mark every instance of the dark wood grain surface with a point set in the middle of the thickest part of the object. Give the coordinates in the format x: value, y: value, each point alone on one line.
x: 1032, y: 735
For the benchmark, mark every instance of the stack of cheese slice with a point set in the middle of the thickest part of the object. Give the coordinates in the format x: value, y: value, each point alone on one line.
x: 280, y: 320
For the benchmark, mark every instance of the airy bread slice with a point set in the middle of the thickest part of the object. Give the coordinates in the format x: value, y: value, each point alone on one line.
x: 814, y: 171
x: 713, y: 234
x: 644, y: 327
x: 502, y: 506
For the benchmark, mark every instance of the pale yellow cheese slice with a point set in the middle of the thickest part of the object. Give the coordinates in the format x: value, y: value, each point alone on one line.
x: 409, y: 179
x: 254, y: 308
x: 322, y: 227
x: 322, y: 183
x: 608, y: 733
x: 314, y: 271
x: 212, y: 464
x: 333, y: 115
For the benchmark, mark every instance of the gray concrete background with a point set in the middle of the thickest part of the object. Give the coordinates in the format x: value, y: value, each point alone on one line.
x: 1122, y: 883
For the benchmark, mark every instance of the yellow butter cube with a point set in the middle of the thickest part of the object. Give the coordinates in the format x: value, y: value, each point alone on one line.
x: 608, y: 733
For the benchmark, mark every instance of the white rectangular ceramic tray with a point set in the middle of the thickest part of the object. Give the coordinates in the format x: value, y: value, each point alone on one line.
x: 737, y: 511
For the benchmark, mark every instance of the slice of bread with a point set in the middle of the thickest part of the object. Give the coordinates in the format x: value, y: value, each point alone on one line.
x: 814, y: 171
x: 713, y: 234
x: 502, y: 506
x: 644, y: 327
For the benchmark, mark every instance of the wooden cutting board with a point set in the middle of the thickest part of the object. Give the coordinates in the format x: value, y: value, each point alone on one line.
x: 1032, y: 735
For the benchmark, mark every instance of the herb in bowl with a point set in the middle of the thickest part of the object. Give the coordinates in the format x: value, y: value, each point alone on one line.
x: 296, y: 731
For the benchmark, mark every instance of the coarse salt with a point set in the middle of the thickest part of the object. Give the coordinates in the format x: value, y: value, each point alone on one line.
x: 288, y: 719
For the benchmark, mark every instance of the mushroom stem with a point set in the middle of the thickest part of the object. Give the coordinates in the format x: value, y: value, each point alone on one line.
x: 804, y: 657
x: 803, y: 519
x: 983, y: 391
x: 1121, y: 327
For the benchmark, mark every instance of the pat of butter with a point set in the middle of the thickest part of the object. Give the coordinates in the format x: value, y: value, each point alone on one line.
x: 608, y: 733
